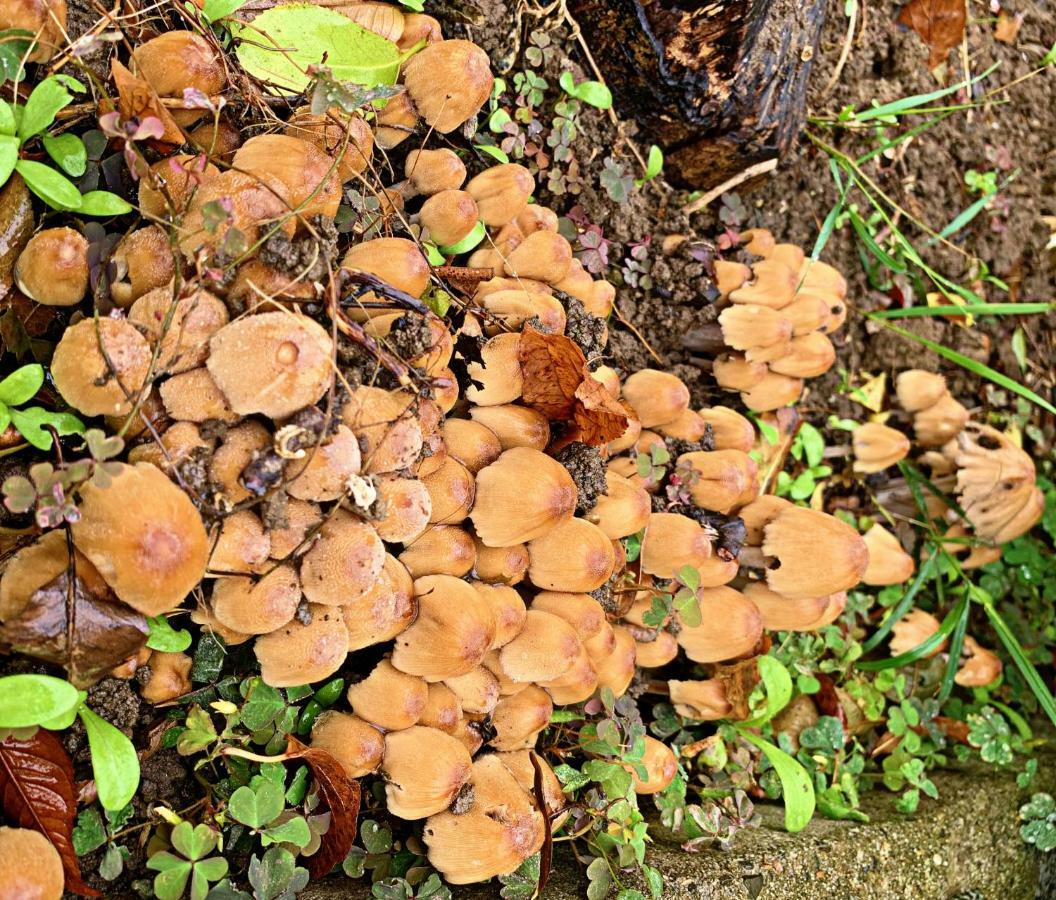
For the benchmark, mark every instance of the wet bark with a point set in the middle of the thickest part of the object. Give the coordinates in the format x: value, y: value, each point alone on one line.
x: 720, y: 85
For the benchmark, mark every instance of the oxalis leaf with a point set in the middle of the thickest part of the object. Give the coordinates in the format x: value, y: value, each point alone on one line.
x: 796, y: 787
x: 280, y: 44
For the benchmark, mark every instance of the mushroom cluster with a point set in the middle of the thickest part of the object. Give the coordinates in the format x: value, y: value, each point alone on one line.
x: 778, y: 311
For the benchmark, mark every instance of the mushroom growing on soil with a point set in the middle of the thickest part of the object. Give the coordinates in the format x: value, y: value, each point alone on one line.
x: 355, y: 744
x: 302, y: 653
x: 424, y: 770
x: 53, y: 267
x: 815, y: 554
x: 100, y: 366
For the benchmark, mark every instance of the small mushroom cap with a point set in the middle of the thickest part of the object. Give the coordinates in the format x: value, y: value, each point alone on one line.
x: 501, y: 193
x: 323, y: 473
x: 433, y: 171
x: 500, y: 374
x: 274, y: 363
x: 242, y: 546
x: 730, y: 430
x: 735, y: 373
x: 730, y: 626
x: 511, y: 308
x: 501, y: 830
x: 520, y: 764
x: 725, y: 478
x: 144, y: 536
x: 729, y: 276
x: 877, y: 446
x: 821, y: 278
x: 30, y: 866
x: 773, y: 284
x: 581, y: 611
x: 289, y: 540
x: 501, y: 565
x: 471, y: 443
x: 519, y: 718
x: 451, y: 490
x: 176, y: 60
x: 388, y: 698
x: 396, y: 261
x: 745, y: 326
x: 53, y: 267
x: 521, y: 496
x: 477, y: 690
x: 660, y: 764
x: 980, y: 668
x: 689, y: 426
x: 424, y: 769
x: 407, y: 508
x: 194, y: 397
x: 508, y: 608
x: 249, y: 606
x: 253, y: 206
x: 888, y: 562
x: 810, y: 355
x: 807, y: 313
x: 783, y: 613
x: 623, y: 509
x: 303, y: 654
x: 169, y: 677
x: 672, y: 541
x: 940, y: 422
x: 396, y: 121
x: 757, y: 514
x: 545, y: 649
x: 704, y: 700
x: 442, y: 709
x: 344, y: 563
x: 817, y: 553
x: 541, y: 256
x: 453, y: 631
x: 328, y: 132
x: 448, y: 217
x: 183, y: 327
x: 653, y: 650
x: 514, y: 426
x: 354, y: 743
x: 384, y: 611
x: 83, y: 375
x: 449, y: 81
x: 772, y: 392
x: 575, y: 556
x: 440, y: 550
x: 616, y: 670
x: 917, y: 390
x: 239, y: 447
x: 387, y: 426
x: 758, y: 241
x: 909, y: 632
x: 656, y: 397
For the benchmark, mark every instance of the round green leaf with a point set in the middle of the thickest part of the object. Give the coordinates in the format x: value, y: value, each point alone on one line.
x: 52, y: 187
x: 115, y: 764
x: 68, y: 151
x: 281, y: 43
x: 21, y: 384
x: 27, y: 700
x: 103, y: 203
x: 43, y: 105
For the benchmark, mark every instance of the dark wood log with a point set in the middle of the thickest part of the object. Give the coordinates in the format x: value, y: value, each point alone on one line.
x: 720, y: 85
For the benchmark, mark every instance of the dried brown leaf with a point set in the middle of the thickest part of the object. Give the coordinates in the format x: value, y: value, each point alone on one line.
x: 137, y: 99
x: 341, y: 796
x: 36, y: 791
x: 940, y: 24
x: 1007, y: 28
x: 600, y: 416
x: 552, y: 368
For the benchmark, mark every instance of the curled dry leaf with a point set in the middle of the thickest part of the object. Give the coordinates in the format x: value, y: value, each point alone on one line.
x: 558, y: 383
x: 1007, y: 28
x: 137, y: 99
x: 87, y: 637
x: 341, y: 797
x: 940, y: 24
x: 36, y: 791
x: 739, y: 679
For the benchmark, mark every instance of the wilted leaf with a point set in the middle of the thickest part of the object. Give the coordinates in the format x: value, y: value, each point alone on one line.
x: 600, y: 416
x: 940, y: 24
x: 739, y: 680
x: 104, y: 631
x: 552, y: 367
x: 137, y: 99
x: 36, y: 791
x: 341, y: 797
x: 1007, y: 28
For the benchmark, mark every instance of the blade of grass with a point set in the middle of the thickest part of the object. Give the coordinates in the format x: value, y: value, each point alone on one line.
x: 978, y: 309
x: 975, y: 367
x: 924, y: 648
x: 1025, y: 666
x: 956, y: 643
x: 908, y: 105
x: 902, y: 607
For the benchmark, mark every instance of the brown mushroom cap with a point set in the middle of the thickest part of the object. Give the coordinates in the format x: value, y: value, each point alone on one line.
x: 384, y: 611
x: 940, y: 422
x: 703, y: 700
x: 817, y: 554
x: 471, y: 443
x: 623, y: 509
x: 396, y: 261
x: 300, y: 519
x: 575, y: 556
x: 730, y: 626
x: 30, y: 866
x: 344, y: 563
x: 169, y: 677
x: 519, y: 718
x: 980, y: 668
x: 726, y: 477
x: 660, y: 764
x: 909, y: 632
x: 451, y: 489
x: 888, y: 562
x: 34, y: 566
x: 773, y: 284
x: 53, y: 267
x: 407, y: 507
x: 779, y: 613
x: 772, y: 392
x: 253, y: 206
x: 514, y: 426
x: 82, y: 371
x: 324, y: 471
x: 500, y: 831
x: 449, y: 81
x: 508, y: 608
x: 501, y: 565
x: 328, y: 132
x: 242, y: 545
x: 477, y: 690
x: 194, y: 397
x: 387, y: 426
x: 521, y: 496
x: 297, y: 170
x: 501, y: 193
x: 144, y: 536
x: 440, y: 550
x: 809, y: 355
x: 355, y: 744
x: 616, y: 670
x: 251, y: 606
x: 453, y: 631
x: 654, y: 649
x: 388, y: 698
x: 448, y: 216
x: 877, y: 446
x: 45, y: 20
x: 177, y: 60
x: 303, y: 654
x: 239, y: 448
x: 433, y: 171
x: 671, y: 541
x: 424, y: 769
x: 273, y: 363
x: 544, y: 650
x: 499, y: 378
x: 183, y: 327
x: 735, y: 373
x: 657, y: 397
x: 917, y: 390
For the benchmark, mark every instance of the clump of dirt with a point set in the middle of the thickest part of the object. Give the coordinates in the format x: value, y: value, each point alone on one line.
x: 585, y: 465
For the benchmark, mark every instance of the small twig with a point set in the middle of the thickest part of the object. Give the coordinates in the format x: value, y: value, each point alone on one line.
x: 761, y: 168
x: 845, y: 52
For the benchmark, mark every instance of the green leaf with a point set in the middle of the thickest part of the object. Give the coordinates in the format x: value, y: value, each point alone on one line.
x: 113, y: 863
x: 52, y: 187
x: 593, y: 93
x: 813, y: 444
x: 306, y: 34
x: 21, y: 385
x: 43, y: 104
x: 376, y: 839
x: 89, y: 833
x: 194, y: 841
x: 27, y: 700
x: 778, y: 685
x: 115, y: 764
x: 276, y: 874
x: 796, y: 786
x: 164, y: 638
x: 170, y: 882
x: 263, y: 705
x: 103, y: 203
x: 294, y: 831
x: 467, y: 243
x: 30, y: 424
x: 654, y: 165
x: 495, y: 152
x: 69, y: 153
x: 8, y: 157
x: 212, y: 869
x: 14, y: 45
x: 215, y: 10
x: 256, y: 807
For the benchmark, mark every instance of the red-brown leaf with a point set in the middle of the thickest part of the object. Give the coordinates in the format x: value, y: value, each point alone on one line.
x: 940, y: 24
x: 600, y: 416
x: 137, y: 99
x: 36, y: 791
x: 341, y: 795
x: 552, y: 368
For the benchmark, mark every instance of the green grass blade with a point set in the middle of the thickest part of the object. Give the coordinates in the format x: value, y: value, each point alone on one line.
x: 902, y: 607
x: 910, y: 105
x: 975, y: 309
x: 1025, y: 666
x: 954, y: 650
x: 976, y: 368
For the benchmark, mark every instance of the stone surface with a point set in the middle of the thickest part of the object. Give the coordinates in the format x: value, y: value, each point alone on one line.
x: 966, y: 841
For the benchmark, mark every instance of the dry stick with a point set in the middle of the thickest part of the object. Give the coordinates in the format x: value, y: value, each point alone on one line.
x: 760, y: 168
x: 845, y: 52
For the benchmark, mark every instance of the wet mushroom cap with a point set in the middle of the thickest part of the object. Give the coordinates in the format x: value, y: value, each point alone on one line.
x: 303, y: 653
x: 100, y: 366
x: 251, y: 606
x: 817, y: 554
x: 355, y: 744
x: 182, y: 326
x: 30, y: 866
x: 53, y: 267
x: 344, y: 562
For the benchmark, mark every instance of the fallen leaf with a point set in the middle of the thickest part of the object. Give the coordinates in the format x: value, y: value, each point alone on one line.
x: 739, y: 679
x: 828, y: 701
x: 137, y: 99
x: 552, y: 367
x: 600, y: 416
x: 104, y: 631
x: 36, y: 791
x: 940, y: 24
x: 341, y: 795
x: 1007, y: 28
